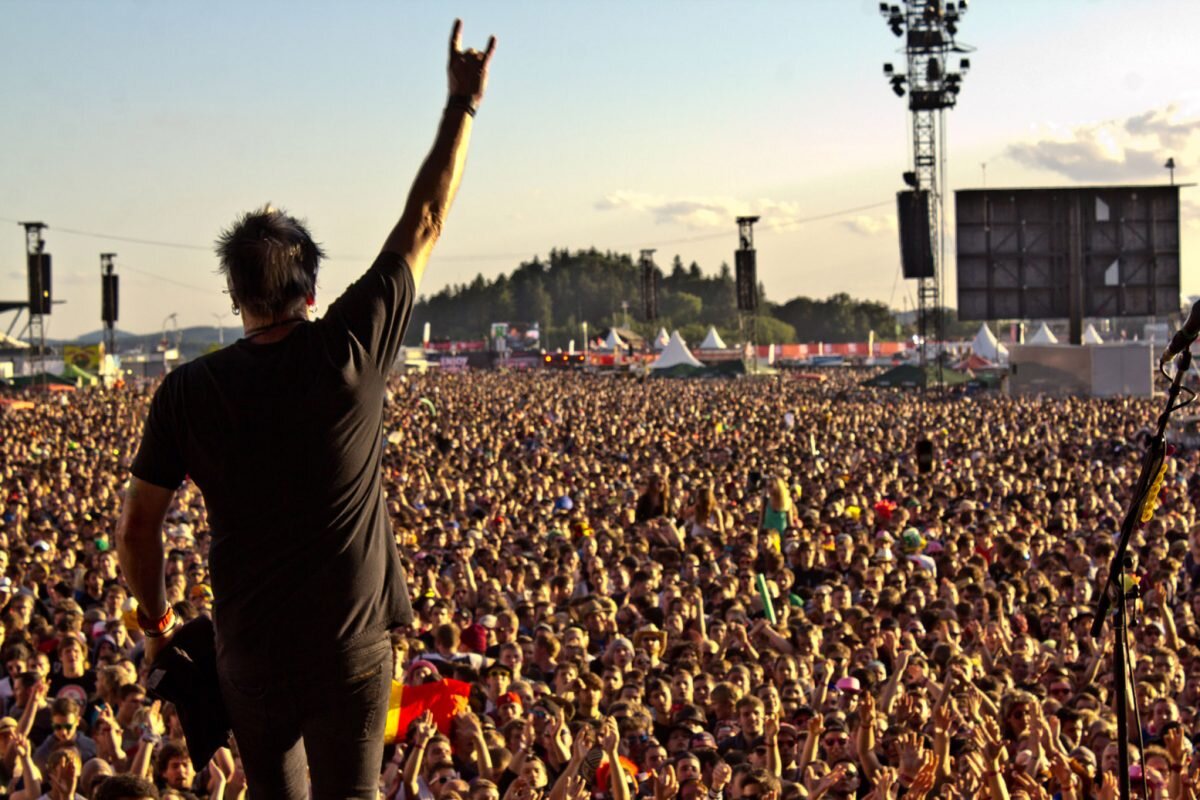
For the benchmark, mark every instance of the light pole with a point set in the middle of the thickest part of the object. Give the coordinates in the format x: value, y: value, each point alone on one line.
x: 220, y: 318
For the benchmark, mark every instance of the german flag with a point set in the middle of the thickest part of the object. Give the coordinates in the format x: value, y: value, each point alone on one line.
x: 444, y: 699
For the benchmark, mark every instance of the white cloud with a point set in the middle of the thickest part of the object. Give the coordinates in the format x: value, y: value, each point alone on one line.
x: 1130, y: 149
x: 704, y: 213
x: 871, y: 226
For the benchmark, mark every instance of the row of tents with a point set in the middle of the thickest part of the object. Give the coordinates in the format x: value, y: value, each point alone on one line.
x: 712, y: 341
x: 985, y: 345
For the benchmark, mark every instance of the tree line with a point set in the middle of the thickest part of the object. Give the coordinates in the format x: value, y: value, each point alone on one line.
x: 590, y: 286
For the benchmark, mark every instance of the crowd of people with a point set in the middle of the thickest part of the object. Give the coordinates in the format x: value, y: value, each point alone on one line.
x: 710, y: 590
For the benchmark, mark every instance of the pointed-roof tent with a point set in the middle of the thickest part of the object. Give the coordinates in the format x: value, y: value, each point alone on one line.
x: 660, y: 341
x: 986, y: 345
x: 1090, y: 336
x: 613, y: 342
x: 712, y: 340
x: 1043, y: 335
x: 675, y: 353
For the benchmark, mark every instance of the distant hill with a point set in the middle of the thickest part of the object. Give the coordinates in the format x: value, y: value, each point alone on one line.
x: 192, y: 341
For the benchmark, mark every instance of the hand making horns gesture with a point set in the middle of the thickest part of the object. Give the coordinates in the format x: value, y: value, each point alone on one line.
x: 468, y: 69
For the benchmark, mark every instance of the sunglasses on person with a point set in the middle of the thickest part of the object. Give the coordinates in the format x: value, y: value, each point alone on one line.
x: 64, y: 726
x: 831, y: 741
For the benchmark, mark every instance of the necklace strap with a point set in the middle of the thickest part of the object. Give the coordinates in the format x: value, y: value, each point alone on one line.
x: 250, y: 334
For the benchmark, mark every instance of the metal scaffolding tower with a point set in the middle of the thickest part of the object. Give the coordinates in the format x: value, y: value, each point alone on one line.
x: 928, y: 28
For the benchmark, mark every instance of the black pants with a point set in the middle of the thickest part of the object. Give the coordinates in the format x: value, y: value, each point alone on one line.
x: 326, y: 727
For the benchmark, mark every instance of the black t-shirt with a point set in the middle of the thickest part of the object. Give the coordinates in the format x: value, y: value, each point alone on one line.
x: 79, y: 689
x: 285, y: 441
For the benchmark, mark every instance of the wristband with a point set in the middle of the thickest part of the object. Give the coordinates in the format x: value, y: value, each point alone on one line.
x: 156, y: 628
x: 461, y: 102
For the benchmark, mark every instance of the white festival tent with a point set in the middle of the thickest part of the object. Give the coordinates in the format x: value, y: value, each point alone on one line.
x: 712, y: 341
x: 660, y: 341
x: 1043, y: 335
x: 1090, y: 336
x: 985, y: 345
x: 613, y: 342
x: 674, y: 354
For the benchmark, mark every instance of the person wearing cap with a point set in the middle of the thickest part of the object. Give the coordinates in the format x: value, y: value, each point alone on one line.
x: 497, y: 678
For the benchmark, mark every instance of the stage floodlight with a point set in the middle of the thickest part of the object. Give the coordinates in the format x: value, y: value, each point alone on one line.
x: 964, y: 65
x: 883, y: 9
x: 888, y: 69
x: 910, y: 178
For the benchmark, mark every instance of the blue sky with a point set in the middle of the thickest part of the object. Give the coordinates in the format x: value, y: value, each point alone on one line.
x: 617, y: 124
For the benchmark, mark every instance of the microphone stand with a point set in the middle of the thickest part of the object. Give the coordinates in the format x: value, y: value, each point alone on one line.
x: 1114, y: 591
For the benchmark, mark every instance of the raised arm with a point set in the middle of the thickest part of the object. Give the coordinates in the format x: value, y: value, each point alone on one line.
x: 437, y: 181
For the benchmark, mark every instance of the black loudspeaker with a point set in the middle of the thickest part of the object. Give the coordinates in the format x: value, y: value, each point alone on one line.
x: 747, y: 279
x: 39, y: 283
x: 108, y: 298
x: 650, y: 290
x: 916, y: 249
x: 924, y: 456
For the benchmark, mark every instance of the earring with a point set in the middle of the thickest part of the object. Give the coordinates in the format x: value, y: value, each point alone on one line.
x: 236, y: 310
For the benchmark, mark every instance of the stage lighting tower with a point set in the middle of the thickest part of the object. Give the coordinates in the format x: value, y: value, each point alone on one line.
x: 932, y: 86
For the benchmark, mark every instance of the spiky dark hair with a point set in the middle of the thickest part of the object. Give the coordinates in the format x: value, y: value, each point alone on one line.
x: 269, y: 261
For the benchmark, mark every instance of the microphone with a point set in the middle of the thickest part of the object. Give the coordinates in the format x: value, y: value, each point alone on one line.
x: 1183, y: 339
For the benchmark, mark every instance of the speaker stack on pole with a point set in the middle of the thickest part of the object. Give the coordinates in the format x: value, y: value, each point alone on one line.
x: 916, y: 245
x: 39, y: 282
x: 746, y: 266
x: 37, y: 262
x: 109, y: 301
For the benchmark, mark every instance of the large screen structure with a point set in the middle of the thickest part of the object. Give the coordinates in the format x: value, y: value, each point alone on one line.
x: 1099, y: 251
